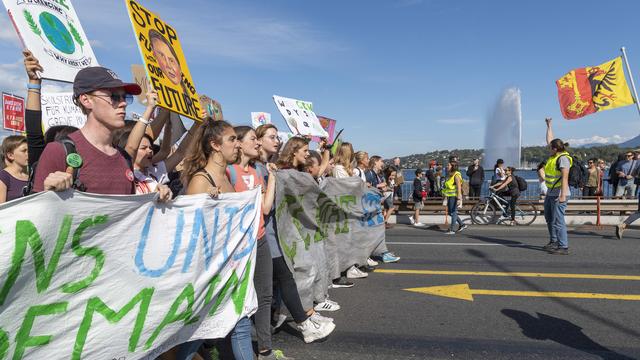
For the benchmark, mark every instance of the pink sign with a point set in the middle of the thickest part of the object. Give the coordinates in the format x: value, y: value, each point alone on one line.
x: 329, y: 125
x: 13, y: 111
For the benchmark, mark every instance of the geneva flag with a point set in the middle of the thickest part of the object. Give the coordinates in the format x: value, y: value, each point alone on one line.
x: 586, y: 90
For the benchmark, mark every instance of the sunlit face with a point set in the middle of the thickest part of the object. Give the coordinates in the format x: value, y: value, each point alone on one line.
x: 270, y: 141
x: 107, y: 106
x: 601, y: 165
x: 250, y: 146
x: 392, y: 176
x: 364, y: 161
x: 229, y: 148
x: 508, y: 172
x: 378, y: 165
x: 20, y: 155
x: 166, y: 61
x: 145, y: 154
x: 300, y: 156
x: 314, y: 168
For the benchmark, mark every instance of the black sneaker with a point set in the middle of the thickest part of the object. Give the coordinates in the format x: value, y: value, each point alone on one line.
x: 559, y: 251
x: 367, y: 268
x: 341, y: 283
x: 550, y: 246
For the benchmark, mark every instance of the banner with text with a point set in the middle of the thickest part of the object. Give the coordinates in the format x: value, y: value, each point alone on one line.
x: 13, y: 112
x: 299, y: 116
x: 59, y: 109
x: 324, y: 230
x: 164, y: 60
x: 123, y: 277
x: 52, y: 31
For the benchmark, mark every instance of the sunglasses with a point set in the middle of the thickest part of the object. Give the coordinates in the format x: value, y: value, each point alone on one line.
x: 117, y: 98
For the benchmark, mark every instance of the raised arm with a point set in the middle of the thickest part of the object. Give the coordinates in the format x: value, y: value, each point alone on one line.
x: 165, y: 147
x: 136, y: 135
x: 177, y: 156
x: 549, y: 131
x: 33, y: 112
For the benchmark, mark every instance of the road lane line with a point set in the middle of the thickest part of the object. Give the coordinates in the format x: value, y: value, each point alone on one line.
x: 511, y: 274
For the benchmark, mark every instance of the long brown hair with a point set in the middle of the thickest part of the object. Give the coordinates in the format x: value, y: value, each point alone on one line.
x: 288, y: 153
x: 261, y: 131
x: 200, y: 149
x: 344, y: 156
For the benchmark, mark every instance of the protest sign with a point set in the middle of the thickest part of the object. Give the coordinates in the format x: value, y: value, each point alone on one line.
x: 299, y: 116
x: 140, y: 78
x: 213, y: 108
x: 324, y: 230
x: 164, y: 60
x: 123, y: 277
x: 52, y: 31
x: 13, y: 112
x: 260, y: 118
x: 329, y: 125
x: 59, y: 109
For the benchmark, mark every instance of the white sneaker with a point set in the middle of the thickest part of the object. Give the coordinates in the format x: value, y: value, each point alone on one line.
x: 327, y: 305
x: 278, y: 322
x: 412, y: 220
x: 419, y: 224
x: 355, y: 273
x: 314, y: 330
x: 372, y: 262
x: 450, y: 232
x: 321, y: 319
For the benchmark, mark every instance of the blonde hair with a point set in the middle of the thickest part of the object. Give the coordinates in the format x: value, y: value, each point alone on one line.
x: 285, y: 161
x: 344, y: 156
x: 200, y: 149
x: 360, y: 156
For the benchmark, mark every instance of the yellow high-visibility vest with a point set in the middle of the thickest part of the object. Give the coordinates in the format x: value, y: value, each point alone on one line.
x: 552, y: 175
x: 450, y: 189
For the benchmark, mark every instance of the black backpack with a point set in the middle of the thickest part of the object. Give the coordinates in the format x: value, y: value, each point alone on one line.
x: 69, y: 148
x: 578, y: 173
x: 522, y: 183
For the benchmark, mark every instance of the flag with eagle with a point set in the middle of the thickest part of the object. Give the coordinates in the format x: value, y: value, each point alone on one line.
x: 590, y: 89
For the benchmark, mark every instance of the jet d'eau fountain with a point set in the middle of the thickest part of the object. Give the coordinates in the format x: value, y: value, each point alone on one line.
x: 503, y: 136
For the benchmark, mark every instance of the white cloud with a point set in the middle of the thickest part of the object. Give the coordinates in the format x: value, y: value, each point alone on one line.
x: 7, y: 31
x: 13, y: 78
x: 596, y: 139
x: 457, y: 121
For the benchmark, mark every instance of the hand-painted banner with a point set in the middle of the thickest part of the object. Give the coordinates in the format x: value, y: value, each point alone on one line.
x: 165, y: 63
x: 52, y: 31
x: 59, y: 109
x: 324, y: 230
x: 260, y: 118
x: 13, y: 112
x: 122, y: 277
x: 299, y: 116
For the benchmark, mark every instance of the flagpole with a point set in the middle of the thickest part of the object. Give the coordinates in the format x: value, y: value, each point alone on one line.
x: 633, y: 85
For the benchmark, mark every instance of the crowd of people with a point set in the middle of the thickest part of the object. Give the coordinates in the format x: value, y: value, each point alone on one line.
x: 111, y: 156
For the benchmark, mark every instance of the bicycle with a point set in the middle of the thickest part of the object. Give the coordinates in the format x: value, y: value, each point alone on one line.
x: 494, y: 210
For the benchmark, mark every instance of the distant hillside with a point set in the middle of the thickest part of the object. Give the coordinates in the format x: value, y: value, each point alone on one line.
x: 633, y: 143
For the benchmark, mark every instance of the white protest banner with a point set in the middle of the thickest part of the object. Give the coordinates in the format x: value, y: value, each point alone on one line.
x: 299, y: 116
x: 260, y: 118
x: 52, y: 31
x: 59, y: 109
x: 123, y: 277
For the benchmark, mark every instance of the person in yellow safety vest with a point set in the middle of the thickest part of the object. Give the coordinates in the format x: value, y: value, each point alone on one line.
x: 556, y: 178
x: 452, y: 191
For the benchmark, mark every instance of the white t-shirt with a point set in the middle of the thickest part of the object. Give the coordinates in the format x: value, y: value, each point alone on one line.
x: 500, y: 174
x: 360, y: 173
x: 147, y: 181
x: 340, y: 172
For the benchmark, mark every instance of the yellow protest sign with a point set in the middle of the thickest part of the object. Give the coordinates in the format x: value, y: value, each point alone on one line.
x: 164, y: 61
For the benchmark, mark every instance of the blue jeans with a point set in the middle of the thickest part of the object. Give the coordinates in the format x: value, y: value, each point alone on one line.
x: 186, y: 351
x: 554, y: 216
x: 241, y: 340
x: 452, y: 208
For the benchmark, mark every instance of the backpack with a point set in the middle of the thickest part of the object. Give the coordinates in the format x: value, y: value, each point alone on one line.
x: 522, y: 183
x: 578, y: 173
x: 69, y: 148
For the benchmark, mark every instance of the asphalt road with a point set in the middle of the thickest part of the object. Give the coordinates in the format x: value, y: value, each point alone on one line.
x: 381, y: 320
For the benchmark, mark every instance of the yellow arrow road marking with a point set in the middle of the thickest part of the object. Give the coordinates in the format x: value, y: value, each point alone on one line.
x: 463, y: 292
x: 511, y: 274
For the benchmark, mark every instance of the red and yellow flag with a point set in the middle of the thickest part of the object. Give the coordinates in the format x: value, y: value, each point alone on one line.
x: 593, y: 88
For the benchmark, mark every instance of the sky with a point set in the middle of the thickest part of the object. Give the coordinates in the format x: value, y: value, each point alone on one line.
x: 400, y: 76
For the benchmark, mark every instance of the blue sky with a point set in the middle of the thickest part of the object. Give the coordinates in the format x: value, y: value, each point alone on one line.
x: 400, y: 76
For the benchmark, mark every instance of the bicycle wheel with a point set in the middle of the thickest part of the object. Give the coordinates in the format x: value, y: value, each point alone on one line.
x: 484, y: 213
x: 526, y: 213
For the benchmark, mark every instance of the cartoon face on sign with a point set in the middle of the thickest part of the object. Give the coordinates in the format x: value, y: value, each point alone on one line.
x: 166, y: 57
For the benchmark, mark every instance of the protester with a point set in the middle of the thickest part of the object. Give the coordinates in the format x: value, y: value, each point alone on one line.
x: 541, y: 181
x: 294, y: 154
x: 499, y: 173
x: 362, y: 163
x: 390, y: 175
x: 14, y: 177
x: 431, y: 176
x: 602, y: 168
x: 593, y: 179
x: 452, y: 191
x: 625, y: 169
x: 343, y: 161
x: 555, y: 203
x: 511, y: 186
x: 399, y: 179
x: 475, y: 173
x: 417, y: 195
x: 614, y: 178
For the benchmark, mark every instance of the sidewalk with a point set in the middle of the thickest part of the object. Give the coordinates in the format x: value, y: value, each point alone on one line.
x: 573, y: 220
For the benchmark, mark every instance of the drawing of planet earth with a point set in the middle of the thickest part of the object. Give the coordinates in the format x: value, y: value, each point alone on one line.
x: 57, y: 33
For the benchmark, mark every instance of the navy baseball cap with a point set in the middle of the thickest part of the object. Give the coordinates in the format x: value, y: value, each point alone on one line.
x: 97, y: 77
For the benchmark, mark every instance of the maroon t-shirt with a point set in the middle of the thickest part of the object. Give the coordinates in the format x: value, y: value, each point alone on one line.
x: 100, y: 173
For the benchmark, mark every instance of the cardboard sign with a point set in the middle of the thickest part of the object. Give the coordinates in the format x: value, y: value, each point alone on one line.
x: 164, y: 61
x: 213, y: 108
x: 140, y: 78
x: 123, y: 277
x: 13, y: 112
x: 260, y: 118
x: 299, y: 116
x: 329, y: 125
x: 52, y: 31
x: 59, y: 109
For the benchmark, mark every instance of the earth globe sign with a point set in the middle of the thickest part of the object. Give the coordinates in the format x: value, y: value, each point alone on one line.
x: 57, y: 33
